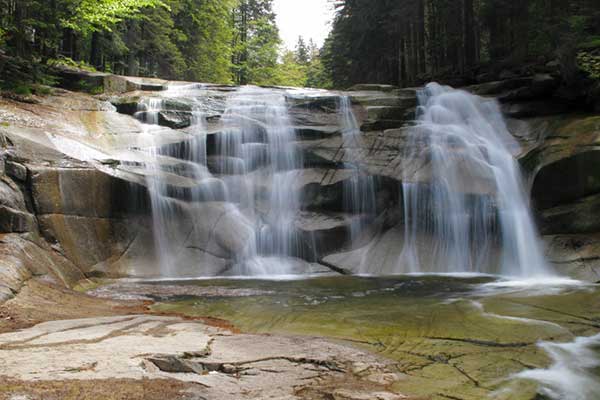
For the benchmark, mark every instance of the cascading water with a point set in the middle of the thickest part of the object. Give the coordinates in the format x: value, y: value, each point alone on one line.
x: 249, y: 175
x: 258, y: 137
x: 462, y: 191
x: 359, y: 190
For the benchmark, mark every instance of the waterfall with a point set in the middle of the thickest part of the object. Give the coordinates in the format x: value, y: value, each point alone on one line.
x: 465, y: 209
x: 359, y: 191
x: 246, y: 181
x: 258, y: 137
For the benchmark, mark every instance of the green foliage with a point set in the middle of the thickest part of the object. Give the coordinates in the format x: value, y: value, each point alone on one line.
x: 221, y: 41
x: 290, y: 72
x: 590, y: 63
x: 297, y: 71
x: 22, y: 89
x: 208, y: 35
x: 103, y: 15
x: 63, y: 61
x: 41, y: 90
x: 405, y: 42
x: 302, y: 53
x: 256, y: 42
x: 591, y: 43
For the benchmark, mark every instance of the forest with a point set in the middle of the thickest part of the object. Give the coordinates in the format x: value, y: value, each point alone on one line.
x: 237, y: 41
x: 221, y: 41
x: 410, y: 42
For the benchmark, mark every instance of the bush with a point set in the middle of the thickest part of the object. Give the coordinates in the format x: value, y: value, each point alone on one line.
x: 67, y: 62
x: 590, y: 63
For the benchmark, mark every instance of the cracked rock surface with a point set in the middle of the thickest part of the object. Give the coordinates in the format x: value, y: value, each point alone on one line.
x: 216, y: 363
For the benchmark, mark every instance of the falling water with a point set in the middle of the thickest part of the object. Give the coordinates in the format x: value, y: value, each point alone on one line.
x: 359, y: 190
x: 249, y: 173
x: 176, y: 177
x: 573, y: 374
x: 259, y: 138
x: 463, y: 191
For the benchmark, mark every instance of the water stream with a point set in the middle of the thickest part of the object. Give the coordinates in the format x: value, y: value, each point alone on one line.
x: 462, y: 188
x: 464, y: 206
x: 469, y: 337
x: 455, y: 328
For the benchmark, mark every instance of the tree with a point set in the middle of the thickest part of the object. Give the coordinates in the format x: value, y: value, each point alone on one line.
x: 302, y: 52
x: 256, y: 42
x: 406, y: 42
x: 289, y: 71
x: 206, y: 36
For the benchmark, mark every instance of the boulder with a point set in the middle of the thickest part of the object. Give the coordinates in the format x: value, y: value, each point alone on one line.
x: 563, y: 167
x: 575, y: 255
x: 567, y: 180
x: 175, y: 119
x: 580, y: 216
x: 325, y: 233
x: 23, y: 257
x: 499, y: 87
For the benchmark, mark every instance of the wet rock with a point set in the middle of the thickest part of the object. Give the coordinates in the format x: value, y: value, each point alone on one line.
x: 12, y: 220
x: 228, y: 165
x: 568, y: 179
x: 16, y: 170
x: 580, y: 216
x: 175, y: 119
x: 126, y: 105
x: 544, y: 84
x: 575, y: 255
x: 498, y: 87
x: 372, y: 87
x: 325, y: 232
x: 84, y: 192
x: 538, y: 108
x: 376, y: 113
x: 564, y: 167
x: 86, y: 241
x: 14, y: 215
x: 21, y: 258
x: 384, y: 124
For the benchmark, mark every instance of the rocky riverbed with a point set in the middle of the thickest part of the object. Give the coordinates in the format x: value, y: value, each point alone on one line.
x: 74, y: 211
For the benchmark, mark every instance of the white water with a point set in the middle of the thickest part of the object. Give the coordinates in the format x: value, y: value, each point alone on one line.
x: 359, y: 190
x: 255, y: 165
x: 464, y: 206
x: 462, y: 190
x: 573, y: 374
x: 259, y: 136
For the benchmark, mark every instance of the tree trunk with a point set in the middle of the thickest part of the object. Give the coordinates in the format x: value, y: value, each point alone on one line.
x: 96, y: 51
x: 469, y: 34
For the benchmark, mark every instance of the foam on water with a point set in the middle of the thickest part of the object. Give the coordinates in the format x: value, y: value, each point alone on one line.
x: 573, y: 374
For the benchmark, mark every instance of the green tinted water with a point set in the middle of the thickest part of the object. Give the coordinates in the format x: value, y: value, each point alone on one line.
x: 453, y: 336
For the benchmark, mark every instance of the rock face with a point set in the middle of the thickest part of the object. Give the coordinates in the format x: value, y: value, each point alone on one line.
x: 220, y: 364
x: 73, y: 176
x: 565, y: 184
